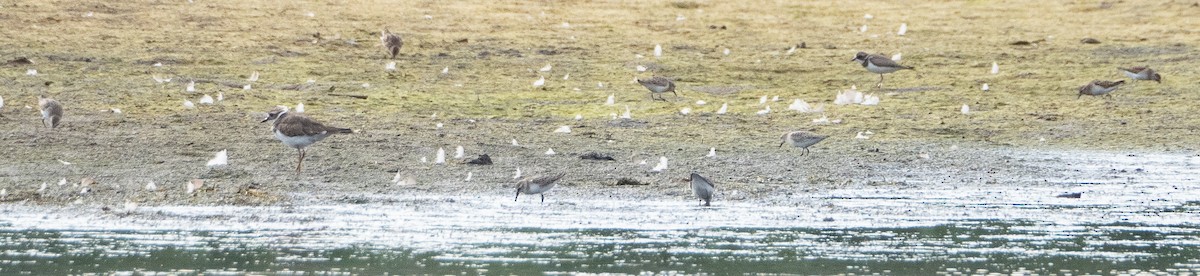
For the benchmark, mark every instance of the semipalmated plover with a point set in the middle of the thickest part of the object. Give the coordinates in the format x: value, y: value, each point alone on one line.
x: 1099, y: 88
x: 391, y: 41
x: 299, y: 131
x: 879, y: 64
x: 1141, y: 73
x: 801, y: 139
x: 52, y: 111
x: 536, y: 185
x: 702, y: 188
x: 658, y: 85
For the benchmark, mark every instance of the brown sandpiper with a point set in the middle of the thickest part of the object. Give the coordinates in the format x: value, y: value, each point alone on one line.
x: 537, y: 185
x: 1141, y: 73
x: 658, y: 85
x: 52, y: 111
x: 391, y: 41
x: 1099, y: 88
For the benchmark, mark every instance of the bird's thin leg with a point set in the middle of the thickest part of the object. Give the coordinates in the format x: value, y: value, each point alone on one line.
x: 543, y: 198
x: 806, y: 151
x: 676, y: 94
x: 299, y: 159
x: 880, y: 85
x: 518, y: 195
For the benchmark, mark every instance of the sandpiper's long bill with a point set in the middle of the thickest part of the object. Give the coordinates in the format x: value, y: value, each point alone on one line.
x: 879, y: 64
x: 299, y: 131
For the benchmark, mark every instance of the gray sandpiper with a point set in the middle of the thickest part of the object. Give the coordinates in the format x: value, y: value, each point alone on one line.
x: 702, y: 188
x: 801, y: 139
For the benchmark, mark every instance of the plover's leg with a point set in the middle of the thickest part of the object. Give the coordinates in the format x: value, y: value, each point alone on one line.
x: 543, y: 197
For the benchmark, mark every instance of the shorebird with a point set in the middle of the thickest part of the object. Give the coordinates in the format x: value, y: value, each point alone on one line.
x: 879, y: 64
x: 1099, y: 88
x: 537, y: 185
x: 801, y: 139
x: 658, y: 85
x: 702, y: 188
x: 391, y: 41
x: 1141, y: 73
x: 299, y: 131
x: 52, y: 111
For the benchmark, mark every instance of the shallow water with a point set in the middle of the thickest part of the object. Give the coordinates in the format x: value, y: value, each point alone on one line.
x: 1127, y: 221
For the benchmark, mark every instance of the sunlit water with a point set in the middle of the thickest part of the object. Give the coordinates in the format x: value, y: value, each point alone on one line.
x: 1117, y: 227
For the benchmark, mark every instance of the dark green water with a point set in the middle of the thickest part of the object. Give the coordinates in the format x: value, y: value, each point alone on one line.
x: 914, y: 232
x: 925, y: 250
